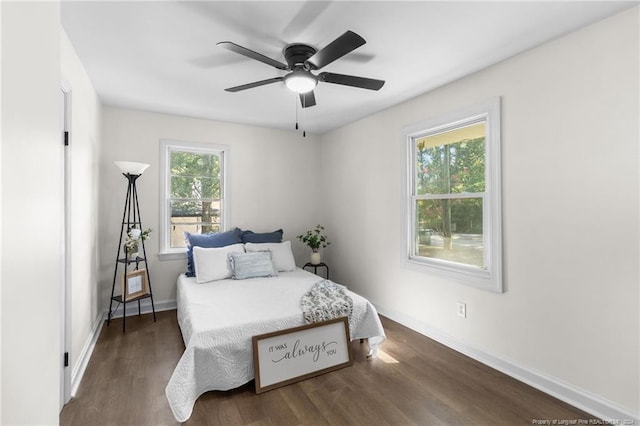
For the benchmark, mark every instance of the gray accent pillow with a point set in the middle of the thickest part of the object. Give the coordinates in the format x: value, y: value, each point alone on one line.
x: 252, y: 265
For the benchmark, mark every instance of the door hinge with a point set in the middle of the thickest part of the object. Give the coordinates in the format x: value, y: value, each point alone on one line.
x: 66, y: 359
x: 66, y: 138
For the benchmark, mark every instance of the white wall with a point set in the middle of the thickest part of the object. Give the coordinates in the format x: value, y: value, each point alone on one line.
x: 1, y: 222
x: 32, y: 160
x: 570, y: 208
x: 272, y: 178
x: 84, y: 152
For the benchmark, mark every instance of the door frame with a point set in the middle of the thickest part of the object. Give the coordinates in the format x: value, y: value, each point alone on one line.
x: 65, y: 296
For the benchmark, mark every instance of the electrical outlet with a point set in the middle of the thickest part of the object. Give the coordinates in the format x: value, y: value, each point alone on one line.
x: 461, y: 309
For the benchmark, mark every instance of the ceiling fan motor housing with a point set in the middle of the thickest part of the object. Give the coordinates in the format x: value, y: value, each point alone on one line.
x: 297, y: 54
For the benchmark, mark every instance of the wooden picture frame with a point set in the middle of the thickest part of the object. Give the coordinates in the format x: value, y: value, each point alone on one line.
x: 134, y: 284
x: 294, y: 354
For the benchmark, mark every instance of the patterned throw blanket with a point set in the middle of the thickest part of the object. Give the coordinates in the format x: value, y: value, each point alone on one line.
x: 326, y: 300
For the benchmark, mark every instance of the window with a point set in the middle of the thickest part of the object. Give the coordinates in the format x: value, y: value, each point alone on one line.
x: 193, y: 193
x: 453, y: 220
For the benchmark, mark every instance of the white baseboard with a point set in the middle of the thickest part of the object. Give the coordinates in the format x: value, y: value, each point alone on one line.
x: 579, y: 398
x: 85, y: 355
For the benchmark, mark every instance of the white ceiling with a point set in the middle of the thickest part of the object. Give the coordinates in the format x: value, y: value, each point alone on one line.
x: 162, y: 56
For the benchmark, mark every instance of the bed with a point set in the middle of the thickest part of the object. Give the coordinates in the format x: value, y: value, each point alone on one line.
x: 219, y: 318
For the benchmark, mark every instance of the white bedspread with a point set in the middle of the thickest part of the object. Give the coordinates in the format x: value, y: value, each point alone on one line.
x: 218, y: 320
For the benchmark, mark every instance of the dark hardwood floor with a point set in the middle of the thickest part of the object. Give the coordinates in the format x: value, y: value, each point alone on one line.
x: 414, y: 381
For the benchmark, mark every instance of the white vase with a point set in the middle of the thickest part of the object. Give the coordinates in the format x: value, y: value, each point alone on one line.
x: 315, y: 258
x: 133, y: 254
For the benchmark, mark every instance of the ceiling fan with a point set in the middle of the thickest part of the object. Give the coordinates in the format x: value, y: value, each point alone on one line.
x: 301, y: 60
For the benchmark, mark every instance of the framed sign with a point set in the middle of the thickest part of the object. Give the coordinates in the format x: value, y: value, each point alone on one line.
x: 288, y: 356
x: 134, y: 284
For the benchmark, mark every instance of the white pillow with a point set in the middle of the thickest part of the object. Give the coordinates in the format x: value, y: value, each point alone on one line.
x: 280, y: 253
x: 212, y: 264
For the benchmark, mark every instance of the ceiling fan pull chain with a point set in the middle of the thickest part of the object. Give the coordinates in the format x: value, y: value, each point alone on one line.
x: 296, y: 103
x: 304, y: 101
x: 300, y: 113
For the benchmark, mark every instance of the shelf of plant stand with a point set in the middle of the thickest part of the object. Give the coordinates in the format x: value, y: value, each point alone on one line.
x: 136, y: 260
x: 118, y: 298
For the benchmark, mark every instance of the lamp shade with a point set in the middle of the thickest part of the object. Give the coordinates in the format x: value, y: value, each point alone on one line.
x: 131, y: 168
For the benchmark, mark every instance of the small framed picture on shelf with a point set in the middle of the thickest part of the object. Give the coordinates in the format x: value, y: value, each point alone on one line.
x: 134, y: 284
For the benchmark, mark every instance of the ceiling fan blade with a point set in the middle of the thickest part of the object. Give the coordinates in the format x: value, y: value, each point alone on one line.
x: 307, y: 99
x: 351, y: 80
x: 336, y: 49
x: 251, y: 54
x: 254, y: 84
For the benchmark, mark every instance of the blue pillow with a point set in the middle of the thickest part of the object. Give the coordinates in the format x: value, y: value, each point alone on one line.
x: 266, y: 237
x: 216, y: 239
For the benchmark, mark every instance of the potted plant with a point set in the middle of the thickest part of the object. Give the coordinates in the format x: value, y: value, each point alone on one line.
x: 315, y: 239
x: 132, y: 242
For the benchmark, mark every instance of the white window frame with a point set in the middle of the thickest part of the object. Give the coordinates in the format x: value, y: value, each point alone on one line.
x: 166, y: 147
x: 487, y: 278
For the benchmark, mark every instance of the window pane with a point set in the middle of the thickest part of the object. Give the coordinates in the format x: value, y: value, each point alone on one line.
x: 451, y: 162
x: 450, y: 229
x: 195, y: 187
x: 194, y: 217
x: 178, y: 229
x: 194, y: 163
x: 206, y: 209
x: 195, y: 175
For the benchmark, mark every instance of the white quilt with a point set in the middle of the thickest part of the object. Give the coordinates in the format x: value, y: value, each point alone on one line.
x: 219, y: 318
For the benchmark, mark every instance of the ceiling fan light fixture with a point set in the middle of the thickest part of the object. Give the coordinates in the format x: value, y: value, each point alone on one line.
x: 300, y: 81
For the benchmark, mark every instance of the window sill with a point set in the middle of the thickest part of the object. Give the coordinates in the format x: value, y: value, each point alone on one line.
x: 478, y: 278
x: 172, y: 255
